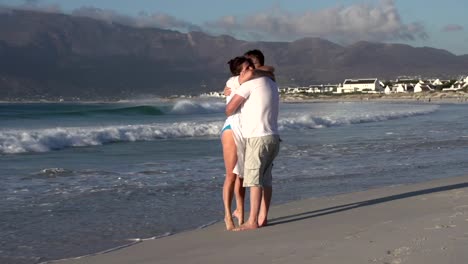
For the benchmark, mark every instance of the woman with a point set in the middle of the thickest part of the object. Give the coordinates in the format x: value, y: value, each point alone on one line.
x: 233, y: 143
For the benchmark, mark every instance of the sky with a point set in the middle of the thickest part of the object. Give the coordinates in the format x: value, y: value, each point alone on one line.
x: 437, y: 24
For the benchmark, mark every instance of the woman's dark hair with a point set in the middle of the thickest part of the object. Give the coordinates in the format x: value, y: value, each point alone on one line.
x: 235, y: 65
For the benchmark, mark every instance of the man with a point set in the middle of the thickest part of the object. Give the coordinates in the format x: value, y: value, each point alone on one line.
x: 258, y: 59
x: 258, y: 100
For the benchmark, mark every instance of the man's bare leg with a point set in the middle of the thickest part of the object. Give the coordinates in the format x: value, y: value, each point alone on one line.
x: 239, y: 193
x: 265, y: 206
x: 255, y: 201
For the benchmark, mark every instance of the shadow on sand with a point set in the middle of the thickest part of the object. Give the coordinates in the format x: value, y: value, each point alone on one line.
x: 350, y: 206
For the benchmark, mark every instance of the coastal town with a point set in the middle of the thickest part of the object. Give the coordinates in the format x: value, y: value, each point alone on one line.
x: 376, y: 86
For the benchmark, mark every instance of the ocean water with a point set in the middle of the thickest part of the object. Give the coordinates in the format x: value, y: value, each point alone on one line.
x: 84, y: 178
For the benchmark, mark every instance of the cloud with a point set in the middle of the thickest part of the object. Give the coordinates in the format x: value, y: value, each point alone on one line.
x: 103, y: 15
x: 143, y: 19
x: 36, y: 5
x: 346, y: 24
x: 157, y: 19
x: 452, y: 28
x: 378, y: 22
x: 166, y: 21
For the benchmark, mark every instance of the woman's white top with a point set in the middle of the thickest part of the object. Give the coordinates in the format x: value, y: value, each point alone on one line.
x: 234, y: 122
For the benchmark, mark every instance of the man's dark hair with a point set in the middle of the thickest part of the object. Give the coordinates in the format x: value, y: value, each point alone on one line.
x: 257, y: 54
x: 235, y: 65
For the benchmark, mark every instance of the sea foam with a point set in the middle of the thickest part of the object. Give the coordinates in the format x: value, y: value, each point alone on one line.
x: 311, y: 121
x: 197, y: 107
x: 43, y: 140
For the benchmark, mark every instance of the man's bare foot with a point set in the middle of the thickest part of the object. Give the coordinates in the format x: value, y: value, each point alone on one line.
x: 262, y: 220
x: 229, y: 224
x: 246, y: 226
x: 262, y: 223
x: 240, y: 218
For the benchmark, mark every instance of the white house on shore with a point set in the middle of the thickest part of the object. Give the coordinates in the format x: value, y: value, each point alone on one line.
x: 422, y: 86
x: 313, y: 88
x: 458, y: 85
x: 437, y: 82
x: 388, y: 90
x: 361, y: 85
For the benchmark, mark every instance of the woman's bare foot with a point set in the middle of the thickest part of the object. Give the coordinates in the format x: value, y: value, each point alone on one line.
x: 229, y: 224
x: 240, y: 218
x: 246, y: 226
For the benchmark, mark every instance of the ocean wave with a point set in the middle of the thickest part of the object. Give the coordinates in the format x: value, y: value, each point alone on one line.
x: 43, y: 140
x: 197, y: 107
x: 179, y: 107
x: 131, y: 110
x: 309, y: 121
x: 54, y: 172
x: 92, y: 111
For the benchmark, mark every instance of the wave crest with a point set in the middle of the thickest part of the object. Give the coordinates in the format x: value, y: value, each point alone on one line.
x: 44, y: 140
x: 309, y: 121
x: 195, y: 107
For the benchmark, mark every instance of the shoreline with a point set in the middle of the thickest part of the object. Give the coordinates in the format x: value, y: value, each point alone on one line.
x: 433, y: 97
x: 425, y: 222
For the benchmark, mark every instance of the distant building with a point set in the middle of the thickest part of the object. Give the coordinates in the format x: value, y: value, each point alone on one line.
x: 388, y: 90
x: 404, y: 87
x: 422, y: 86
x: 452, y: 89
x: 361, y: 85
x: 322, y: 88
x: 313, y: 88
x: 437, y: 82
x: 457, y: 86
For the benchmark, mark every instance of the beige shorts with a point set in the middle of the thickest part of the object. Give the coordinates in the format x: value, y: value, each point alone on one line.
x: 259, y: 155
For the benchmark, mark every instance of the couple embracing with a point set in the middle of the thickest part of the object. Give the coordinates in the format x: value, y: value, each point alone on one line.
x: 250, y: 139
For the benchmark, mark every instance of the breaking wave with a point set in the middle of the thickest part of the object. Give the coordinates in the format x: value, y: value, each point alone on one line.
x: 309, y: 121
x: 43, y: 140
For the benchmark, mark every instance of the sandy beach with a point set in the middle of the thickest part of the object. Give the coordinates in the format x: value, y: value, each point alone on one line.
x: 418, y: 223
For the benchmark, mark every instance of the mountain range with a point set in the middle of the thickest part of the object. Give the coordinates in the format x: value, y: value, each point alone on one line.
x: 50, y: 56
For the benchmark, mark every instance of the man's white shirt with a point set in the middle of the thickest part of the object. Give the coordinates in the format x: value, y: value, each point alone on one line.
x: 259, y: 113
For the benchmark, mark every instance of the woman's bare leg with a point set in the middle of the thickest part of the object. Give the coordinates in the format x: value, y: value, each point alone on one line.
x: 230, y: 159
x: 239, y: 192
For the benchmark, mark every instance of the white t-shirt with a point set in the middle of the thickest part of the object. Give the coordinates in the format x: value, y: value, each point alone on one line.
x: 232, y: 83
x: 259, y: 113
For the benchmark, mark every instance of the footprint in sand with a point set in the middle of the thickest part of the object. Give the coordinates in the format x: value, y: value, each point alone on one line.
x: 351, y: 237
x: 400, y: 251
x: 396, y: 255
x: 463, y: 206
x: 456, y: 214
x: 419, y: 241
x: 440, y: 227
